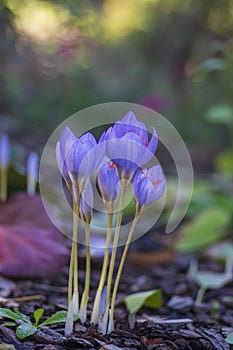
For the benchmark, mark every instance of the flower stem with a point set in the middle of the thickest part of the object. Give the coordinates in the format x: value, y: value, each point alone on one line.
x: 75, y: 251
x: 95, y: 312
x: 3, y: 186
x: 85, y: 296
x: 119, y: 272
x: 200, y: 295
x: 115, y: 243
x: 73, y: 271
x: 73, y: 276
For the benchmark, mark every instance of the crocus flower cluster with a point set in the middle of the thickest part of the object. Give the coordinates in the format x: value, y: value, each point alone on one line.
x: 117, y: 159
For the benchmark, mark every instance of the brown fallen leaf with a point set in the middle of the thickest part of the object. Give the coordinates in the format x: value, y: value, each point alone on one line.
x: 145, y: 259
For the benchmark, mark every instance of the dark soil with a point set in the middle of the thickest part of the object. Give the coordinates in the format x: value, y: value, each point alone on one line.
x: 178, y: 324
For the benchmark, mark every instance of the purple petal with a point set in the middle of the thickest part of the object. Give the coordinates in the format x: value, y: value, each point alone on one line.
x: 88, y: 141
x: 103, y: 137
x: 158, y: 183
x: 156, y: 191
x: 129, y: 118
x: 140, y: 190
x: 108, y: 181
x: 62, y: 165
x: 153, y: 141
x: 156, y: 173
x: 66, y: 140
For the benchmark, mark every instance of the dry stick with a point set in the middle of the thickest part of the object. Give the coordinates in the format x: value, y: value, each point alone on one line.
x: 83, y: 308
x: 3, y: 187
x: 95, y: 312
x: 119, y: 272
x: 115, y: 243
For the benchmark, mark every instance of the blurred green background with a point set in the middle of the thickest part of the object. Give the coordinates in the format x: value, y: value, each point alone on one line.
x: 174, y: 56
x: 58, y: 57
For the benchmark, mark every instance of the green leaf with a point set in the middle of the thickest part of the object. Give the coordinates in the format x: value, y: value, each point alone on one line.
x: 210, y: 280
x: 25, y: 330
x: 223, y: 250
x: 21, y: 316
x: 204, y: 229
x: 9, y: 314
x: 221, y: 114
x: 151, y: 298
x: 8, y: 324
x: 58, y: 317
x: 229, y: 338
x: 37, y: 315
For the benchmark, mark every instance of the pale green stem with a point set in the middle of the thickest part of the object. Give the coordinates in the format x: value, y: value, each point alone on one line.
x: 95, y: 312
x: 120, y: 269
x: 115, y: 243
x: 73, y: 269
x: 85, y: 295
x: 200, y: 295
x: 75, y: 265
x: 3, y: 186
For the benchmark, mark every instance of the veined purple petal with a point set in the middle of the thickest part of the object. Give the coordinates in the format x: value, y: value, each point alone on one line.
x: 129, y: 124
x: 88, y: 141
x: 128, y: 145
x: 158, y: 182
x: 157, y: 191
x: 153, y: 141
x: 102, y: 137
x: 148, y: 186
x: 129, y: 118
x: 108, y: 181
x: 66, y: 140
x: 62, y: 165
x: 141, y: 192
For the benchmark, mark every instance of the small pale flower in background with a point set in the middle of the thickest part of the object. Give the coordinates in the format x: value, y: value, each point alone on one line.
x: 32, y: 173
x: 4, y: 164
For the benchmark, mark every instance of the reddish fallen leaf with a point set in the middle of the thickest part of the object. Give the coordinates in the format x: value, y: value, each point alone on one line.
x: 30, y: 246
x: 30, y: 252
x: 24, y: 210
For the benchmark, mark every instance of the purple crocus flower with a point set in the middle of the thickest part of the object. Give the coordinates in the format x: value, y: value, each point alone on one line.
x: 128, y: 145
x: 86, y: 203
x: 108, y: 181
x: 77, y: 158
x: 148, y: 186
